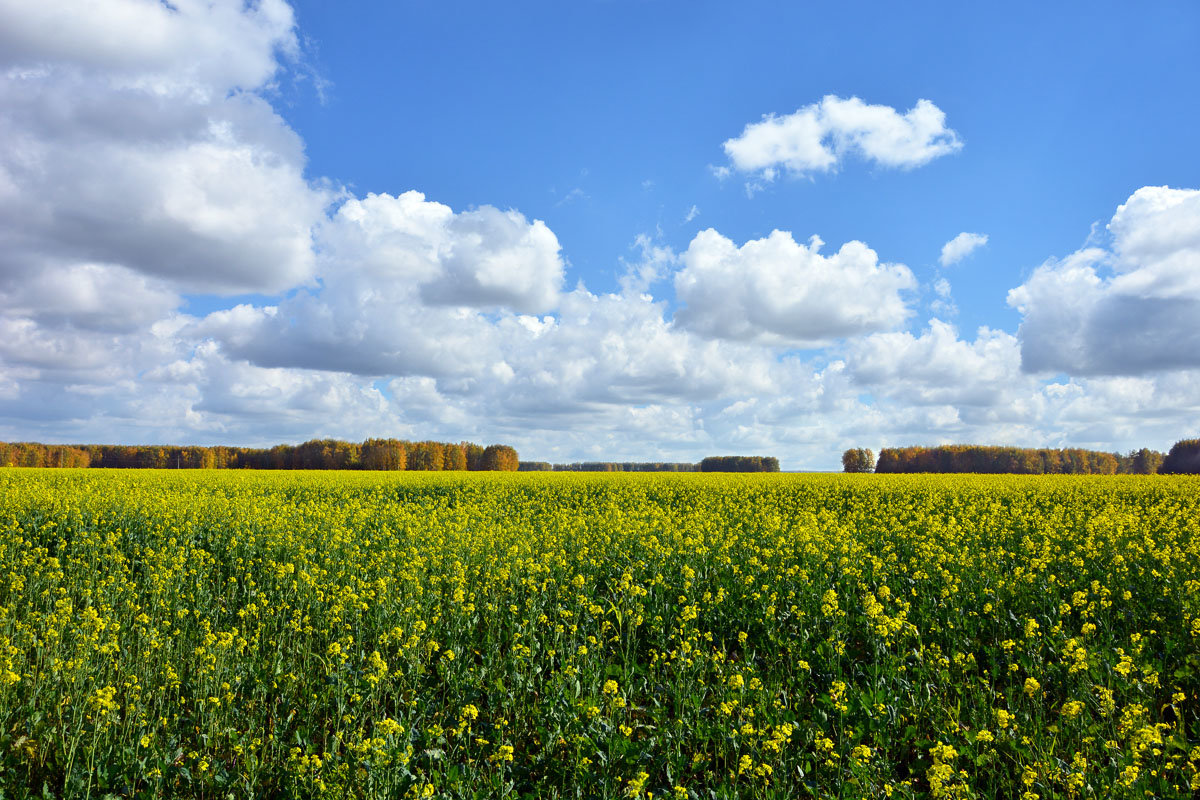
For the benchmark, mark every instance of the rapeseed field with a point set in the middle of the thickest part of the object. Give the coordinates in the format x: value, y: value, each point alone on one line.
x: 350, y: 635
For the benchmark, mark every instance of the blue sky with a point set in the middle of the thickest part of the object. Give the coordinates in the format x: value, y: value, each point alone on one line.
x: 1064, y: 111
x: 209, y: 237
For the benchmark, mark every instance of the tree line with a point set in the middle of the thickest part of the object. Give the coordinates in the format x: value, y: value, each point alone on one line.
x: 608, y: 466
x: 1022, y: 460
x: 1184, y: 458
x: 372, y: 454
x: 710, y: 464
x: 739, y: 464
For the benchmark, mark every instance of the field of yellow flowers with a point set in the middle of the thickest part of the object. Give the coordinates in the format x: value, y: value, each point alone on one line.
x: 352, y: 635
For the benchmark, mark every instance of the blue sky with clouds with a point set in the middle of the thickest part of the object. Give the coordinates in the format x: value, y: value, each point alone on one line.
x: 587, y: 228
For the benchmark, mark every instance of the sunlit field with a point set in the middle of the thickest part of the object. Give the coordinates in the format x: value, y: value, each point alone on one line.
x: 463, y: 635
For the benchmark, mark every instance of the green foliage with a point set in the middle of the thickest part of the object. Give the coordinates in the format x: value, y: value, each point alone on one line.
x: 1183, y: 459
x: 499, y: 457
x: 373, y: 454
x: 858, y: 459
x: 1139, y: 462
x: 996, y: 460
x: 384, y: 454
x: 739, y: 464
x: 33, y: 454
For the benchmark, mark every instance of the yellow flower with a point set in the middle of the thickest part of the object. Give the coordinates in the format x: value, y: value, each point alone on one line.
x: 635, y: 785
x: 1071, y: 709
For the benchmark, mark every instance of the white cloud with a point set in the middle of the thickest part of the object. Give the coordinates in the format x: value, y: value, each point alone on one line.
x: 203, y: 46
x: 406, y: 284
x: 655, y: 262
x: 1128, y: 309
x: 818, y: 137
x: 960, y: 247
x: 1156, y: 244
x: 140, y: 150
x: 777, y: 291
x: 618, y: 350
x: 96, y: 297
x: 483, y: 258
x: 937, y: 367
x: 142, y: 161
x: 943, y: 303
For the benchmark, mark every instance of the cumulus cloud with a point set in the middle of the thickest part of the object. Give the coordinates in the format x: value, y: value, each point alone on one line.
x: 151, y: 151
x: 406, y: 286
x: 1126, y: 309
x: 203, y: 46
x: 90, y: 297
x: 621, y: 350
x: 937, y: 367
x: 936, y: 388
x: 778, y: 291
x: 818, y: 137
x: 143, y: 161
x: 484, y: 257
x: 960, y: 247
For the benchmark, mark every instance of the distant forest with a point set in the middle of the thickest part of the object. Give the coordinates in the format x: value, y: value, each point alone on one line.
x: 608, y: 466
x: 1017, y: 460
x: 373, y: 454
x: 710, y: 464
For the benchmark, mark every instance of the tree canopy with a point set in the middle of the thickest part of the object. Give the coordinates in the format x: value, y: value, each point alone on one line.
x: 996, y: 460
x: 858, y: 459
x: 372, y: 454
x: 1183, y: 459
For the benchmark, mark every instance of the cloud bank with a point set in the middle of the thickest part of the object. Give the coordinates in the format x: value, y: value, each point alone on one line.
x: 1130, y: 308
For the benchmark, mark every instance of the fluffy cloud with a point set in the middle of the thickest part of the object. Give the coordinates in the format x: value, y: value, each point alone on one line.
x: 620, y: 350
x: 775, y: 290
x: 142, y: 161
x: 202, y: 46
x: 483, y: 258
x: 89, y: 297
x: 960, y: 247
x: 1126, y: 309
x: 936, y: 367
x: 138, y: 163
x: 151, y: 151
x: 817, y: 137
x: 498, y: 259
x: 406, y: 287
x: 935, y: 388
